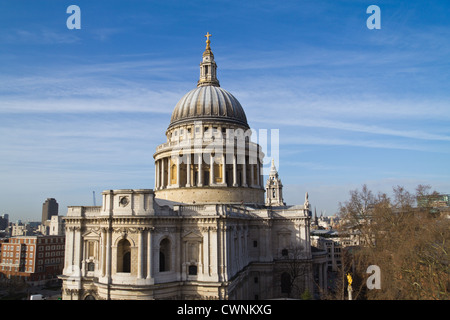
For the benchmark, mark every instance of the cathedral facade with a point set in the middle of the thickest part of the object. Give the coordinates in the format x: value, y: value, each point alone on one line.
x: 210, y: 228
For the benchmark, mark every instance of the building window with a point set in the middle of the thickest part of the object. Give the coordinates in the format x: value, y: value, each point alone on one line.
x: 192, y: 270
x: 164, y: 255
x: 124, y: 256
x: 284, y: 252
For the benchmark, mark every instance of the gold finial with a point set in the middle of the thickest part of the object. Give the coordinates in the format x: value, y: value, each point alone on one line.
x: 207, y: 40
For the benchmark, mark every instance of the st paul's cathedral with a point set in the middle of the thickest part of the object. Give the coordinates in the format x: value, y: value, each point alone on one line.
x: 210, y: 229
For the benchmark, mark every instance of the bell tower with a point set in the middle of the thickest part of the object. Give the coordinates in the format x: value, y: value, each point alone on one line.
x: 274, y: 188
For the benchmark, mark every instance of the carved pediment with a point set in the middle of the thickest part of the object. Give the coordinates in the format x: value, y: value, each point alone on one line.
x: 192, y: 235
x: 93, y: 233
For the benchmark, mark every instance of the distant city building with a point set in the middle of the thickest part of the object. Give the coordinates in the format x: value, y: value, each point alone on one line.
x: 439, y: 203
x: 324, y: 222
x: 434, y: 200
x: 34, y: 259
x: 57, y: 226
x: 49, y: 209
x: 4, y: 221
x: 329, y: 241
x: 21, y: 229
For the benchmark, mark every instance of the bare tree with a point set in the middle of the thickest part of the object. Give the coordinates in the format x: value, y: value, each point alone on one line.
x: 296, y: 273
x: 410, y: 243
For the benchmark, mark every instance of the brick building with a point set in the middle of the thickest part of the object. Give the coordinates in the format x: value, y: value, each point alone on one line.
x: 35, y: 259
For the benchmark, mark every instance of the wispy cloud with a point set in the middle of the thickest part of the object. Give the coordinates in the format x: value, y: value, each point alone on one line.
x: 101, y: 87
x: 307, y: 139
x: 92, y: 117
x: 358, y: 127
x: 42, y: 36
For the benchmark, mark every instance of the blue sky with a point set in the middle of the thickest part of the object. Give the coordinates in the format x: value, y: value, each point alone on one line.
x: 83, y: 110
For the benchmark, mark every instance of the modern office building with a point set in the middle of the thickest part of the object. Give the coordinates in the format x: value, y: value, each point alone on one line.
x: 49, y: 209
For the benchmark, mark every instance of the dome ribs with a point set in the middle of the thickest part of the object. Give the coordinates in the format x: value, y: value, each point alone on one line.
x: 208, y: 102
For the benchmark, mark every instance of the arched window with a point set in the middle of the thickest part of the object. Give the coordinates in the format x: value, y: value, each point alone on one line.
x: 164, y: 255
x: 124, y: 256
x: 173, y: 173
x: 285, y: 283
x: 284, y: 252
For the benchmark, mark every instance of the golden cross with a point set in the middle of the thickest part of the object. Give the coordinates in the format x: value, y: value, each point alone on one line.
x: 207, y: 36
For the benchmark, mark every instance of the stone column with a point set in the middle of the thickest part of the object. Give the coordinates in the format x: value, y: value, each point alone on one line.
x: 211, y: 169
x: 224, y: 171
x: 78, y: 245
x: 207, y: 251
x: 156, y: 175
x: 162, y: 174
x: 149, y: 254
x: 169, y: 172
x: 178, y: 171
x: 140, y: 264
x: 244, y: 173
x: 220, y: 249
x: 159, y: 174
x: 200, y: 171
x: 188, y: 170
x: 234, y: 171
x: 102, y: 252
x: 108, y: 254
x: 69, y: 247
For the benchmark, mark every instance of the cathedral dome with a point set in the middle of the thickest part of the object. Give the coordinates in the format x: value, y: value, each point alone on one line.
x: 208, y: 156
x: 208, y: 102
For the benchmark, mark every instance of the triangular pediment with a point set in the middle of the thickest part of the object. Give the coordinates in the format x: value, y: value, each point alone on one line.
x: 91, y: 234
x: 193, y: 235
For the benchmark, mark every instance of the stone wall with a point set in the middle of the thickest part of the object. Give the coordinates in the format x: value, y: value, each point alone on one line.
x: 198, y: 195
